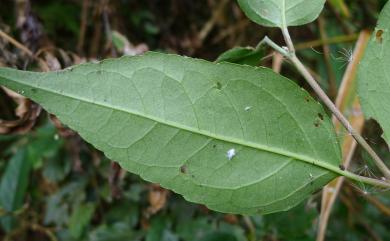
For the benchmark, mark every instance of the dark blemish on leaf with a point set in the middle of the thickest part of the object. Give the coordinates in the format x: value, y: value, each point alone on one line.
x: 214, y: 146
x: 307, y: 99
x: 99, y: 72
x: 317, y: 190
x: 342, y: 167
x: 34, y: 90
x: 317, y: 123
x: 379, y: 36
x: 320, y: 116
x: 184, y: 169
x: 218, y: 85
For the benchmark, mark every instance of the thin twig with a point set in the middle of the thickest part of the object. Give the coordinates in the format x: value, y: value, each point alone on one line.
x: 277, y: 62
x: 24, y: 49
x: 16, y: 44
x: 83, y: 25
x: 331, y: 191
x: 327, y: 41
x: 213, y: 20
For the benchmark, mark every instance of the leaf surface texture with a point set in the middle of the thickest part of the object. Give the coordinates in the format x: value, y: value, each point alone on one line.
x: 173, y: 120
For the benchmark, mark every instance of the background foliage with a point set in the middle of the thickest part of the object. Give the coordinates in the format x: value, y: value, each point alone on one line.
x: 54, y: 186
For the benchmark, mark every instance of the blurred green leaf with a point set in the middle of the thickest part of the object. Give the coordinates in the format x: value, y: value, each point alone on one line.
x: 219, y: 236
x: 80, y: 218
x: 301, y: 216
x: 374, y: 75
x: 127, y: 212
x: 116, y: 232
x: 195, y: 229
x: 50, y: 13
x: 13, y: 186
x: 160, y: 230
x: 59, y: 204
x: 242, y: 55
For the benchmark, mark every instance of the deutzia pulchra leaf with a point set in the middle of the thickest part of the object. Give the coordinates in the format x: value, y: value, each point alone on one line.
x: 236, y: 138
x: 282, y: 13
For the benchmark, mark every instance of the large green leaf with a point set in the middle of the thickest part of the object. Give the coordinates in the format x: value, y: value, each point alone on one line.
x: 374, y: 75
x: 173, y: 120
x: 282, y: 13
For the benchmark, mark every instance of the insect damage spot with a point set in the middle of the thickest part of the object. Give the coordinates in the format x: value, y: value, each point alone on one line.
x: 319, y: 120
x: 184, y: 169
x: 379, y: 36
x: 218, y: 86
x: 307, y: 98
x: 342, y: 167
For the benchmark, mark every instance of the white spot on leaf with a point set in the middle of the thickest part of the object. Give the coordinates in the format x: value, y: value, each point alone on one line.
x: 231, y: 153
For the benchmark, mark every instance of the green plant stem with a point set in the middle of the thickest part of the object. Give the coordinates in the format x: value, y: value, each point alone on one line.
x: 290, y: 54
x: 273, y: 45
x: 366, y: 180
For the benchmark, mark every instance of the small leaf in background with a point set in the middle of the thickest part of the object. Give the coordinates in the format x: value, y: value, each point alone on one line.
x: 159, y: 230
x: 115, y: 232
x: 194, y: 229
x: 175, y: 121
x: 13, y: 186
x: 374, y: 75
x: 80, y: 218
x: 57, y: 208
x: 126, y: 211
x: 43, y: 144
x: 303, y: 218
x: 119, y: 41
x: 123, y: 45
x: 219, y: 236
x: 242, y: 55
x: 277, y: 13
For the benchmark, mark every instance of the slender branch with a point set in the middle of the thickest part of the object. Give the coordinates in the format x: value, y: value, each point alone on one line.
x: 273, y: 45
x: 16, y: 43
x: 290, y: 54
x: 327, y: 41
x: 24, y: 49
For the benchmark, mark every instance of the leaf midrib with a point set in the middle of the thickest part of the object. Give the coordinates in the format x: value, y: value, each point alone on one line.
x: 173, y: 124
